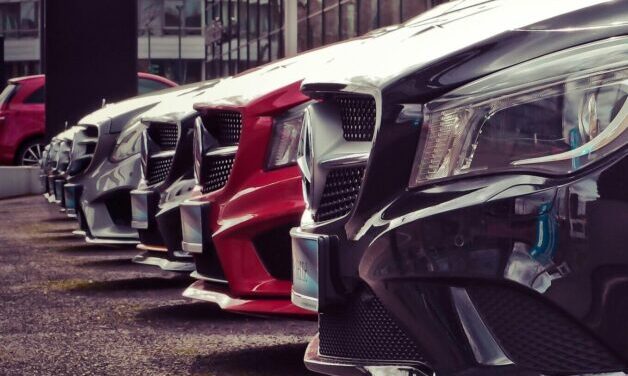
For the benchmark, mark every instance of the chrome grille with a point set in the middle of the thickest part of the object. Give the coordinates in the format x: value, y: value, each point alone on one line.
x: 165, y: 135
x: 340, y: 193
x: 83, y: 149
x: 225, y: 126
x: 64, y: 156
x: 216, y: 172
x: 358, y: 115
x: 158, y: 169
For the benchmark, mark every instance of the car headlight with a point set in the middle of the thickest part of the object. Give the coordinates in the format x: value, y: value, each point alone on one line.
x: 286, y: 134
x: 128, y: 143
x: 553, y: 115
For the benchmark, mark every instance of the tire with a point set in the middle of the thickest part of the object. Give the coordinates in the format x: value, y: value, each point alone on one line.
x: 30, y: 153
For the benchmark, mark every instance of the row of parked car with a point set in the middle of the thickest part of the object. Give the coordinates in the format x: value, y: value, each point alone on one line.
x: 448, y: 195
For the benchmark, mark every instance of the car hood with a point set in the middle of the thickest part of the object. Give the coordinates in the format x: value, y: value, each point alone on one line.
x: 179, y: 106
x: 253, y: 84
x: 115, y: 117
x: 394, y: 52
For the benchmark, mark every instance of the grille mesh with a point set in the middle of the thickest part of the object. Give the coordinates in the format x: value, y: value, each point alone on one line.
x: 164, y: 135
x: 158, y: 169
x: 226, y: 126
x: 538, y: 336
x: 85, y: 151
x: 358, y: 115
x: 363, y: 329
x: 216, y: 172
x: 340, y: 193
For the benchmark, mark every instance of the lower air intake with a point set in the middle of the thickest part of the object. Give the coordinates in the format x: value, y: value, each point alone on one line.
x: 538, y: 336
x: 364, y: 330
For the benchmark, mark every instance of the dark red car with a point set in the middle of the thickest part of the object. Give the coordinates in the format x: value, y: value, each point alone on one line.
x: 22, y: 116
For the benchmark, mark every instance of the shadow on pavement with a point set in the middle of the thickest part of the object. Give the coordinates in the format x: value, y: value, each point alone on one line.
x: 285, y: 360
x: 126, y: 285
x: 60, y: 219
x: 110, y: 263
x: 189, y: 312
x: 85, y: 249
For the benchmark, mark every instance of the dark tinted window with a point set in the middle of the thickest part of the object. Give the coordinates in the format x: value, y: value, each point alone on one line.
x: 37, y: 97
x: 146, y: 86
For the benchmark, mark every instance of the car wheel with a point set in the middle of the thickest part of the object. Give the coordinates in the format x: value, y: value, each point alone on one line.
x: 30, y: 153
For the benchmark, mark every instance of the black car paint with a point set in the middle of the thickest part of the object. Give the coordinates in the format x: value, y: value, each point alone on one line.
x: 366, y: 245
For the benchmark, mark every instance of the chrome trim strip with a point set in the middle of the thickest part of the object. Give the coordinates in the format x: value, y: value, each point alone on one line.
x: 196, y: 275
x: 223, y: 151
x: 341, y: 160
x: 163, y: 154
x: 140, y: 225
x: 164, y: 264
x: 305, y: 302
x: 192, y: 247
x: 110, y: 241
x: 484, y: 346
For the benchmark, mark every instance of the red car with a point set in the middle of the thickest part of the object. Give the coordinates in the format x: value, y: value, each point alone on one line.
x: 22, y: 116
x: 245, y: 158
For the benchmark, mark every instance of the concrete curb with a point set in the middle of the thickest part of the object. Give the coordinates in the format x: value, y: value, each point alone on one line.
x: 19, y: 181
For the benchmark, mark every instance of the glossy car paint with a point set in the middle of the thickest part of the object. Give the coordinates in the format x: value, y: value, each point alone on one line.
x: 415, y: 248
x: 106, y: 181
x: 21, y: 122
x: 160, y: 235
x: 255, y: 200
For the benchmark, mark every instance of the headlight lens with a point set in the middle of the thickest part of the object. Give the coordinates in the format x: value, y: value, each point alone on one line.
x: 556, y: 125
x: 285, y: 140
x: 128, y: 143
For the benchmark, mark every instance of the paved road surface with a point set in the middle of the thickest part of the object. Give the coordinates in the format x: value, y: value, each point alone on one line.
x: 69, y: 308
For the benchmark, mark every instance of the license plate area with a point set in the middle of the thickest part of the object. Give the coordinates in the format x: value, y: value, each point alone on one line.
x: 195, y: 226
x: 143, y: 209
x: 307, y: 252
x: 58, y: 190
x: 71, y: 193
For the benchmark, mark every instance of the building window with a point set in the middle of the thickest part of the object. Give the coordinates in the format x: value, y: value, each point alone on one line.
x: 161, y: 17
x: 185, y: 14
x: 19, y: 20
x: 321, y: 22
x: 243, y: 34
x: 191, y: 70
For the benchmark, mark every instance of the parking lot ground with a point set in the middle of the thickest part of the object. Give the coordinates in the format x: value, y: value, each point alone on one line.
x: 69, y: 308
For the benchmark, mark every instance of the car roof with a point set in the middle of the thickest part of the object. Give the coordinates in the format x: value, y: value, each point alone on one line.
x: 27, y: 78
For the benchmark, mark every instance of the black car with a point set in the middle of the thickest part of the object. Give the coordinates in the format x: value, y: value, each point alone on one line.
x: 485, y: 231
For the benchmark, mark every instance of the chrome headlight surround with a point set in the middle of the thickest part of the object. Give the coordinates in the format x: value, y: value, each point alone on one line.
x: 480, y: 128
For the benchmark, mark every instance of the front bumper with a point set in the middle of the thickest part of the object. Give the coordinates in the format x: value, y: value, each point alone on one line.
x: 246, y: 243
x: 154, y: 259
x: 334, y: 366
x: 159, y: 229
x: 521, y: 273
x: 59, y: 183
x: 219, y: 294
x: 72, y: 198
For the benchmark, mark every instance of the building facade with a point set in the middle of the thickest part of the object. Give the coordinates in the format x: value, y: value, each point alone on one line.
x: 189, y: 40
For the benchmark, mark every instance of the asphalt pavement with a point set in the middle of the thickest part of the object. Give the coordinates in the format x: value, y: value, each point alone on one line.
x: 70, y: 308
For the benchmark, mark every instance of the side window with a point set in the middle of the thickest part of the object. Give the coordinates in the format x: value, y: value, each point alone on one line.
x: 146, y: 86
x: 37, y: 97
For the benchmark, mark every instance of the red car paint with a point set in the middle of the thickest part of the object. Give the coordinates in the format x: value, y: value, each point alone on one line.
x: 252, y: 202
x: 23, y: 120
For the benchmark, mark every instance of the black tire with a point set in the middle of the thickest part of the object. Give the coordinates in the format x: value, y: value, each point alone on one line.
x: 30, y: 153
